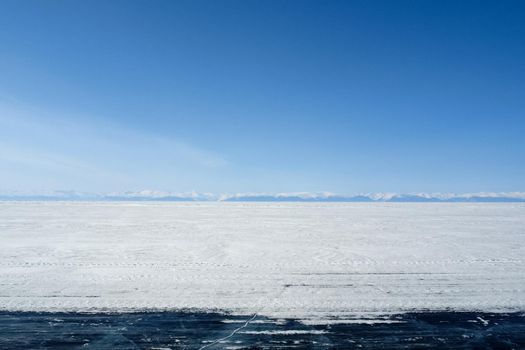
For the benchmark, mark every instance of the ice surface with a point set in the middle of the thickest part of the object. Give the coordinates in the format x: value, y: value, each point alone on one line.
x: 319, y: 262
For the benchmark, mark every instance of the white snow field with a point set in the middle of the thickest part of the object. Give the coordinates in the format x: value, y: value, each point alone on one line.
x: 319, y: 262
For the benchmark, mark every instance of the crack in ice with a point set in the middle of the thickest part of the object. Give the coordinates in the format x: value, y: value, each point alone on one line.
x: 235, y: 331
x: 231, y: 334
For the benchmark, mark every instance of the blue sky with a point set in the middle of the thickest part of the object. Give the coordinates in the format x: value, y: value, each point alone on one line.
x: 262, y: 96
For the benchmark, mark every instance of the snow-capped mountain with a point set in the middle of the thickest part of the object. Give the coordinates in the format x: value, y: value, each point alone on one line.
x: 150, y: 195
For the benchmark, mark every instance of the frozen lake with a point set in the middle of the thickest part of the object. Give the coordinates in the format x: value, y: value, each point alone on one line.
x: 199, y: 330
x: 316, y: 262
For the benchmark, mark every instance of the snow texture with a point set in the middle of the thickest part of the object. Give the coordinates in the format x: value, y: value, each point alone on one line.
x: 319, y: 262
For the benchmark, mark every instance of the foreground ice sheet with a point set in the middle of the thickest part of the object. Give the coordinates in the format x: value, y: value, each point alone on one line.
x: 316, y: 262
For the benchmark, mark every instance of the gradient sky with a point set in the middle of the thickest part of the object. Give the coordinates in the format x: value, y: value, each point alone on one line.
x: 262, y: 96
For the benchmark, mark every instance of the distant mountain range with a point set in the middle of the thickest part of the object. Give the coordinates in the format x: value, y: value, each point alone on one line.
x: 261, y: 197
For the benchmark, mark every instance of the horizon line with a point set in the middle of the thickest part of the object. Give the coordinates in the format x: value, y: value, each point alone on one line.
x: 164, y: 196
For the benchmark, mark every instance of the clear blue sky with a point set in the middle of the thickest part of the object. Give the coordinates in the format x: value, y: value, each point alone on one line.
x: 262, y: 96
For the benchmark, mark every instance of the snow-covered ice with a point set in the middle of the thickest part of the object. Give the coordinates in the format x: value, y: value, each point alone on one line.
x: 318, y: 262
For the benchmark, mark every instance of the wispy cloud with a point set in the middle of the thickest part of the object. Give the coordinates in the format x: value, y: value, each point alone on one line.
x: 88, y: 150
